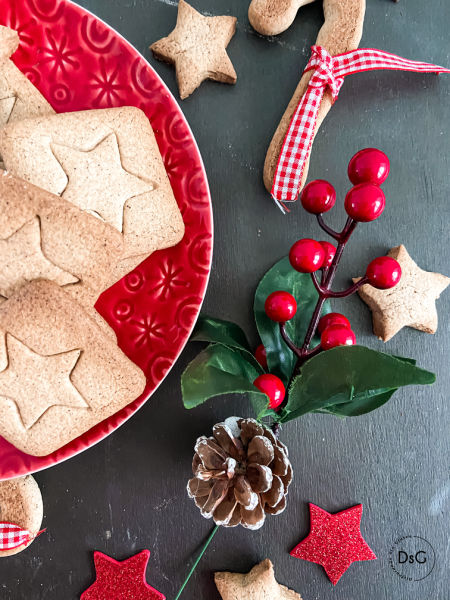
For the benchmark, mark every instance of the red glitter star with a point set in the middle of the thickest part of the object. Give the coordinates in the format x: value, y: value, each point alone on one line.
x: 334, y: 541
x: 121, y: 580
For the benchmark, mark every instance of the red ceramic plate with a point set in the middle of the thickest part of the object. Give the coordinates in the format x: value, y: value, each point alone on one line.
x: 78, y: 62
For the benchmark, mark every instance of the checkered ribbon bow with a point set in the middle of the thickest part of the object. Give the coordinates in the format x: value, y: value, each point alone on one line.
x: 12, y: 536
x: 328, y: 73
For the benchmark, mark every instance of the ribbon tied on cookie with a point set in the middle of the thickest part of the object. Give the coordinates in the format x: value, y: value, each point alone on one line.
x: 12, y: 536
x: 329, y: 73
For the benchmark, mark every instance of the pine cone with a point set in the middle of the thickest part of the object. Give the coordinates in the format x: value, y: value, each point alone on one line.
x: 240, y: 474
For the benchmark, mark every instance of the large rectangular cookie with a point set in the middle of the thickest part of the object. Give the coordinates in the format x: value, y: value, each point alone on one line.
x: 18, y: 96
x: 43, y: 236
x: 106, y: 162
x: 63, y: 375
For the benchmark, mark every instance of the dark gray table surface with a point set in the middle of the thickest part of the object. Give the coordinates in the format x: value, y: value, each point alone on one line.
x: 128, y: 493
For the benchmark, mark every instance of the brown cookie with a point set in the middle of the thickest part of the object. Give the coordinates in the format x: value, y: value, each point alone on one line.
x: 258, y: 584
x: 19, y: 98
x: 197, y: 49
x: 43, y: 236
x: 271, y: 17
x: 107, y: 162
x: 63, y: 375
x: 21, y: 504
x: 340, y: 33
x: 411, y: 303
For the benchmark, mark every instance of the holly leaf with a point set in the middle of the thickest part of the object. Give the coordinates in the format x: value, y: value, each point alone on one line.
x: 350, y: 381
x: 281, y: 361
x: 220, y: 370
x: 218, y: 331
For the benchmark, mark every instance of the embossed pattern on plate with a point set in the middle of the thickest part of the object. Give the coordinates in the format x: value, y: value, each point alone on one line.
x: 78, y: 63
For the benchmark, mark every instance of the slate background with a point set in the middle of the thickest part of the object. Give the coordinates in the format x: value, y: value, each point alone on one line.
x: 128, y: 492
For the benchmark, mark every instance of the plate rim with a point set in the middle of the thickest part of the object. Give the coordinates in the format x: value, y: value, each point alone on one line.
x: 207, y: 277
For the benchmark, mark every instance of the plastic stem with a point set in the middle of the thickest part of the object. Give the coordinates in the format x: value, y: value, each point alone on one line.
x: 194, y: 566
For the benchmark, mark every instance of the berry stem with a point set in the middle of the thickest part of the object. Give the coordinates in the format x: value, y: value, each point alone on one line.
x: 287, y: 340
x: 323, y: 289
x: 327, y: 293
x: 326, y: 228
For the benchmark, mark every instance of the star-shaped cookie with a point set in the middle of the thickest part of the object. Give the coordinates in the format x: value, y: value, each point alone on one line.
x: 197, y: 49
x: 23, y: 260
x: 411, y: 303
x: 259, y: 583
x: 94, y: 174
x: 36, y: 382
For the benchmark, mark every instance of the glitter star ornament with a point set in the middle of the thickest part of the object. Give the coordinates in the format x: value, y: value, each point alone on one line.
x: 334, y: 541
x: 121, y: 580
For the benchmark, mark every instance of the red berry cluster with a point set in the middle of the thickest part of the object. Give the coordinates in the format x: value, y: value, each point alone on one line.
x: 364, y: 202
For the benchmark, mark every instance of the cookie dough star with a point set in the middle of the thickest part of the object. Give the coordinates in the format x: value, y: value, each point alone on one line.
x: 197, y: 49
x: 6, y: 108
x: 23, y: 260
x: 411, y: 303
x: 97, y: 181
x: 259, y: 583
x: 36, y: 383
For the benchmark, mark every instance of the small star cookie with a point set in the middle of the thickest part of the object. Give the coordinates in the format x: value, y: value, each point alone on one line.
x: 411, y: 303
x: 197, y: 49
x: 258, y: 584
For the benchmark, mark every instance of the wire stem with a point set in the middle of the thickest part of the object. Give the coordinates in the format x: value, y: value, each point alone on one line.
x: 194, y: 566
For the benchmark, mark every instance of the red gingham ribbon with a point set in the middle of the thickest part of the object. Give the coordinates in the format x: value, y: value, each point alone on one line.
x: 329, y: 72
x: 12, y: 536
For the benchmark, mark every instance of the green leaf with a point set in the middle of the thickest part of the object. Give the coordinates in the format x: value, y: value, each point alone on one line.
x: 219, y: 370
x: 209, y: 329
x: 349, y: 381
x: 282, y: 276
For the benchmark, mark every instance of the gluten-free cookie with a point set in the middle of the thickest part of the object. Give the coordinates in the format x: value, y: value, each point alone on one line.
x: 341, y: 32
x: 107, y: 163
x: 63, y: 375
x: 411, y: 303
x: 271, y: 17
x: 197, y: 48
x: 43, y: 236
x: 21, y: 505
x: 19, y: 98
x: 258, y: 584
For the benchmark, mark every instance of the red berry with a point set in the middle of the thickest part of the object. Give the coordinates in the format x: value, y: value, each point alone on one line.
x: 365, y: 202
x: 332, y: 319
x: 280, y: 306
x: 384, y: 272
x: 318, y: 196
x: 273, y: 387
x: 337, y: 335
x: 261, y: 356
x: 368, y: 166
x: 306, y: 256
x: 330, y: 251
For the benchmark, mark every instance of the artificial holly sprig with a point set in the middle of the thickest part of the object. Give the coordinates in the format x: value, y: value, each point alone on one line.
x: 365, y: 202
x: 302, y: 339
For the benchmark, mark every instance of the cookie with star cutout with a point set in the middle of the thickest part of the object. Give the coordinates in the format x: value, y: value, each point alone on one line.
x: 197, y: 48
x: 21, y: 505
x: 258, y: 584
x: 19, y: 98
x: 107, y: 163
x: 42, y: 236
x: 411, y: 303
x: 60, y: 375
